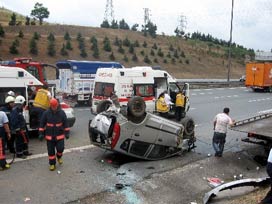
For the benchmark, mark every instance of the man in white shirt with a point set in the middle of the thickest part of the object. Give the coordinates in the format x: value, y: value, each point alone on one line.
x: 268, y: 198
x: 221, y: 122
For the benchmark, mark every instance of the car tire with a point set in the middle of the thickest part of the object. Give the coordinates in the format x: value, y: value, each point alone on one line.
x: 189, y: 126
x: 103, y: 106
x: 136, y: 107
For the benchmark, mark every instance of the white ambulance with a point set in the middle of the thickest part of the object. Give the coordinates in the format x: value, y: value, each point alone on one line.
x: 141, y: 81
x: 19, y: 81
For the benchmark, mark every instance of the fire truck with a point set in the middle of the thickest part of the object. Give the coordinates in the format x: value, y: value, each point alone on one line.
x: 37, y: 69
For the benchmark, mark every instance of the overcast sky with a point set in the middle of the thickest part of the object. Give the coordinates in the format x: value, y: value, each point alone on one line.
x: 252, y: 21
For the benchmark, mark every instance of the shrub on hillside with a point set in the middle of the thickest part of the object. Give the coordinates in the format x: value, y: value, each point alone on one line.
x: 106, y: 44
x: 112, y: 57
x: 134, y: 58
x: 63, y: 51
x: 21, y: 34
x: 33, y: 49
x: 2, y: 32
x: 13, y: 48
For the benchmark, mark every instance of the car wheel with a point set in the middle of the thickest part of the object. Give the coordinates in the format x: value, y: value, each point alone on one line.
x: 189, y: 126
x: 136, y: 106
x: 103, y: 106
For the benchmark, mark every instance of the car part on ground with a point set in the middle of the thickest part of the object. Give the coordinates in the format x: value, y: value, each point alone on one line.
x: 235, y: 184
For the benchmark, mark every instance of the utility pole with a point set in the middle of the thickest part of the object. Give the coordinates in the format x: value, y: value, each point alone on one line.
x: 230, y: 42
x: 109, y: 14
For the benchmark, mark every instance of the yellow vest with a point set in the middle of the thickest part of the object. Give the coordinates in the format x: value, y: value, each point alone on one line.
x: 162, y: 106
x: 41, y: 99
x: 180, y: 100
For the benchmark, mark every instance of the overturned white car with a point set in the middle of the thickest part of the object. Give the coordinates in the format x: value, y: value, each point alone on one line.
x: 137, y: 133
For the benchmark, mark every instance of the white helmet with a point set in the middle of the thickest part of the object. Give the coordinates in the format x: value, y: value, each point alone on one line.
x: 20, y: 99
x: 11, y: 93
x: 9, y: 99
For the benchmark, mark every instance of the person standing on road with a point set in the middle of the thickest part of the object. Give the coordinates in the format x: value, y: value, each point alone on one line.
x: 9, y: 104
x: 54, y: 127
x: 180, y: 106
x: 221, y: 122
x: 18, y: 127
x: 268, y: 198
x: 4, y: 130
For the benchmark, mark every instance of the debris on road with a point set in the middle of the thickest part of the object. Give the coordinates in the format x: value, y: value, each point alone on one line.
x: 214, y: 182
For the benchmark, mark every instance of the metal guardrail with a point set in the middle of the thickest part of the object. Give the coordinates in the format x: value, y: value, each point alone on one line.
x: 213, y: 83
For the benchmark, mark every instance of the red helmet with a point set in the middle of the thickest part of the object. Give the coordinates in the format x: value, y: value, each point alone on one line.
x: 54, y: 103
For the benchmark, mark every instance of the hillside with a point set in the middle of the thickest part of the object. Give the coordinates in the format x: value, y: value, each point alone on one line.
x: 200, y: 59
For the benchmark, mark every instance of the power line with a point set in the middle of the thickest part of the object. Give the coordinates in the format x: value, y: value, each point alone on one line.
x: 109, y: 13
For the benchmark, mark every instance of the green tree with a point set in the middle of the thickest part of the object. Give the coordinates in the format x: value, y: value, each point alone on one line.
x: 152, y: 53
x: 106, y: 44
x: 147, y: 60
x: 33, y: 49
x: 2, y: 32
x: 114, y: 24
x: 51, y: 37
x: 112, y: 57
x: 13, y: 48
x: 67, y: 36
x: 51, y: 51
x: 105, y: 24
x: 142, y: 52
x: 12, y: 21
x: 21, y: 34
x: 176, y: 54
x: 135, y: 27
x: 117, y: 41
x: 131, y: 49
x: 155, y: 60
x: 121, y: 49
x: 171, y: 48
x: 79, y: 36
x: 144, y: 44
x: 134, y: 57
x: 27, y: 21
x: 150, y: 28
x: 125, y: 58
x: 40, y: 12
x: 83, y: 53
x: 63, y: 51
x: 136, y: 43
x: 126, y: 42
x: 93, y: 40
x: 155, y: 46
x: 96, y: 52
x: 36, y: 36
x: 160, y: 53
x: 68, y: 45
x: 123, y: 25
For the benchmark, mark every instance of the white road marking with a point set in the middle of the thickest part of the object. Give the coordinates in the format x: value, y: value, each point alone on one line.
x: 265, y: 111
x: 36, y: 156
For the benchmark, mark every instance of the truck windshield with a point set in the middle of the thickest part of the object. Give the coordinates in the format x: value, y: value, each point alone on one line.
x: 103, y: 89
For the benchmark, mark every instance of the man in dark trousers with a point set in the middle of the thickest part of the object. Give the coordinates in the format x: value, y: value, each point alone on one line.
x: 9, y: 104
x: 4, y: 130
x: 220, y: 125
x: 18, y: 127
x: 54, y: 128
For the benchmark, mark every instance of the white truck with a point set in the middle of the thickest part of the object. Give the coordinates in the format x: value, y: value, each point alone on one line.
x: 76, y: 78
x: 141, y: 81
x: 19, y: 80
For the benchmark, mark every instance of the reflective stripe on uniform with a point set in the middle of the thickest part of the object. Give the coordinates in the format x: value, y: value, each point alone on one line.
x: 52, y: 157
x: 2, y: 155
x: 58, y: 124
x: 48, y: 137
x: 50, y: 124
x: 60, y: 137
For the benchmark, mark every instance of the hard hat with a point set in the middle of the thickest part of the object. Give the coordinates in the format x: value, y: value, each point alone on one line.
x: 20, y: 99
x: 9, y: 99
x: 11, y: 93
x: 54, y: 103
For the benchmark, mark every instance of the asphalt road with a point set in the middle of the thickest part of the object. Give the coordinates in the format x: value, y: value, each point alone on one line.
x: 88, y: 170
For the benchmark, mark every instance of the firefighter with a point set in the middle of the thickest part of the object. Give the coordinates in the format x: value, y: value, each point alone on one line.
x: 161, y: 106
x: 54, y: 127
x: 4, y: 130
x: 41, y: 101
x: 18, y: 127
x: 9, y: 101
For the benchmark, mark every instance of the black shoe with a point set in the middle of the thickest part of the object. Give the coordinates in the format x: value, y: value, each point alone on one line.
x: 21, y: 156
x: 27, y: 153
x: 12, y: 151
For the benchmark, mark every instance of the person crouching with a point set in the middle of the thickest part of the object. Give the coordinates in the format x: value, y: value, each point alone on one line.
x: 54, y: 127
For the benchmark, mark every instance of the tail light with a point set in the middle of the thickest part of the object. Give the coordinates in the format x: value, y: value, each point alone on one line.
x: 115, y: 135
x: 64, y: 105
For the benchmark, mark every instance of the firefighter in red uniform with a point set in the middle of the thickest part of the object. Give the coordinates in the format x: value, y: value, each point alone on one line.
x: 54, y: 128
